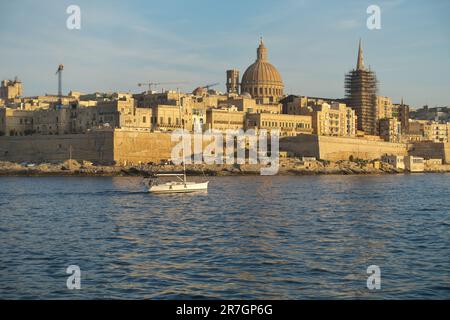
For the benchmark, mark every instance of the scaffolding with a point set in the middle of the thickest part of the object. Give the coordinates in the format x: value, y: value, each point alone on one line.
x: 361, y: 89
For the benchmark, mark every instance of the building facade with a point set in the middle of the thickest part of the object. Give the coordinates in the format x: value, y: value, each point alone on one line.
x: 390, y: 130
x: 225, y: 119
x: 430, y: 130
x: 384, y: 108
x: 10, y: 89
x: 401, y: 112
x: 16, y: 122
x: 288, y: 125
x: 332, y: 120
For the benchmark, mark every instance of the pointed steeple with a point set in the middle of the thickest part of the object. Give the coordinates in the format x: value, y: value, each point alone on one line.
x: 360, y: 64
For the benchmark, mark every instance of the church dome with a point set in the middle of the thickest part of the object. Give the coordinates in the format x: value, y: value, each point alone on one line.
x: 262, y: 72
x: 262, y: 79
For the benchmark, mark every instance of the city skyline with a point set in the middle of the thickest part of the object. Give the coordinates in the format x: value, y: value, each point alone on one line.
x: 119, y: 46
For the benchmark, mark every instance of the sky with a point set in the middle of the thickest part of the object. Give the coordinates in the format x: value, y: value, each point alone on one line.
x: 313, y: 43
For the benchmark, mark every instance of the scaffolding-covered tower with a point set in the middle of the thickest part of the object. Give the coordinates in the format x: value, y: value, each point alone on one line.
x: 361, y: 89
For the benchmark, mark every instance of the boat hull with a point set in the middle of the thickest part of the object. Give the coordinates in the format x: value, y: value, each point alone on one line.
x: 177, y: 187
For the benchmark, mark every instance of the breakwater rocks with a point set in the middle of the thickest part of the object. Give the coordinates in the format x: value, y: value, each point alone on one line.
x: 287, y: 166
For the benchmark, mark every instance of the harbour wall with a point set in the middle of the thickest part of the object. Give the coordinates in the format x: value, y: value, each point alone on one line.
x: 431, y: 150
x: 141, y: 146
x: 132, y: 147
x: 93, y: 146
x: 340, y: 148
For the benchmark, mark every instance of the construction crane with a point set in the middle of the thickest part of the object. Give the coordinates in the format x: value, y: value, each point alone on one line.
x: 208, y: 86
x: 59, y: 73
x: 153, y: 84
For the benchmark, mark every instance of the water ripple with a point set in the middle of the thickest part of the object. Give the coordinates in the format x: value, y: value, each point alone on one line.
x: 248, y: 238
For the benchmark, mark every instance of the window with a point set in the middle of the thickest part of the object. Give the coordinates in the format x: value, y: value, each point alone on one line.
x: 144, y: 119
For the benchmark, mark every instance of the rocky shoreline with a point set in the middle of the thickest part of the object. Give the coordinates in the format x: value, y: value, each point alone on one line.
x: 287, y: 166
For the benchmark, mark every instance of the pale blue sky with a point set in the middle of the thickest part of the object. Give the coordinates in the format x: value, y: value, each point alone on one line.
x: 312, y: 43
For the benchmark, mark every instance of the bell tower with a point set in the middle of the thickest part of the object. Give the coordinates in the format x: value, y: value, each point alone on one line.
x: 233, y: 81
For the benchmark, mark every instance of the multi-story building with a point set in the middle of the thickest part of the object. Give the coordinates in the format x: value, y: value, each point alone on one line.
x: 436, y: 132
x: 416, y: 128
x: 401, y: 112
x: 10, y: 89
x: 288, y: 125
x: 293, y: 104
x: 16, y: 122
x: 246, y: 103
x: 65, y: 120
x: 198, y: 120
x: 53, y: 121
x: 169, y: 117
x: 109, y: 111
x: 151, y: 99
x: 361, y: 89
x: 332, y: 120
x: 390, y: 130
x: 225, y: 119
x: 384, y: 108
x: 138, y: 118
x: 430, y: 130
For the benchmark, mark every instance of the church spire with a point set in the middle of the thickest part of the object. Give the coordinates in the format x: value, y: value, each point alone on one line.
x: 262, y: 51
x: 360, y: 64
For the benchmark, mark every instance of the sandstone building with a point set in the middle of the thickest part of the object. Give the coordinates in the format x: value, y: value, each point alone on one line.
x: 390, y: 130
x: 384, y: 108
x: 430, y: 130
x: 225, y: 119
x: 10, y: 89
x: 332, y: 120
x: 288, y: 125
x: 401, y: 112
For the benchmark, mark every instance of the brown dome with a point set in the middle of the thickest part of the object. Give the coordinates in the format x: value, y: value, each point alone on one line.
x: 262, y: 73
x: 262, y: 79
